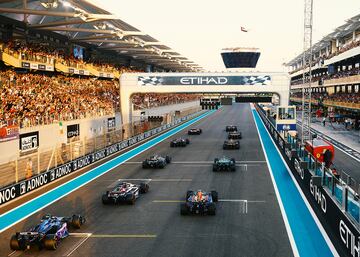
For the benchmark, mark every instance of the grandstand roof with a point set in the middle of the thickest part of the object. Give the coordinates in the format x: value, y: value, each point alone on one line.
x: 82, y: 21
x: 340, y: 32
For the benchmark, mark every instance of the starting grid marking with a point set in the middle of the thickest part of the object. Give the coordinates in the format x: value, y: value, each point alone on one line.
x: 86, y: 236
x: 243, y: 203
x: 202, y: 162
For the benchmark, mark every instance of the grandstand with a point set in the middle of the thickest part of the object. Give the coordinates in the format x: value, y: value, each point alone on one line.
x: 335, y: 75
x: 60, y: 64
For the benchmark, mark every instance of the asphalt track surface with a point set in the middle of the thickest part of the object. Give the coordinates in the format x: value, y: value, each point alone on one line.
x: 154, y: 227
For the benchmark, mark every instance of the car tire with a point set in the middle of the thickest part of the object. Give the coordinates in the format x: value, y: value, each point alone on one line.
x: 168, y: 159
x: 145, y: 165
x: 76, y: 221
x: 215, y: 196
x: 215, y: 168
x: 50, y: 242
x: 183, y: 209
x: 144, y: 188
x: 16, y: 244
x: 212, y: 209
x: 187, y: 141
x: 172, y: 144
x: 105, y: 199
x: 200, y: 131
x: 130, y: 199
x: 188, y: 193
x: 224, y: 147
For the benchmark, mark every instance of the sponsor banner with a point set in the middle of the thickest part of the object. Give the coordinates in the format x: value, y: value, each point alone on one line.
x: 73, y: 130
x: 342, y: 232
x: 49, y: 68
x: 25, y: 65
x: 204, y: 80
x: 111, y: 124
x: 29, y: 142
x: 11, y: 192
x: 41, y: 67
x: 287, y: 127
x: 33, y: 66
x: 9, y: 132
x: 86, y: 72
x: 81, y: 72
x: 71, y: 70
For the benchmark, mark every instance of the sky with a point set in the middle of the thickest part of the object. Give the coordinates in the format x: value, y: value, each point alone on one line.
x: 199, y: 29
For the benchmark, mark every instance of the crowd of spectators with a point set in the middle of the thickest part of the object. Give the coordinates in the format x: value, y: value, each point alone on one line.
x: 143, y: 101
x: 341, y: 49
x: 30, y: 99
x: 338, y: 74
x: 340, y: 97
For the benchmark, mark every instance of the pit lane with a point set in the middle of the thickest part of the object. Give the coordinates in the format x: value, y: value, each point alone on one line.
x: 234, y: 231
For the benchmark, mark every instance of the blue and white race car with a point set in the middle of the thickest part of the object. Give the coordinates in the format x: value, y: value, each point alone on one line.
x: 47, y: 234
x: 124, y: 192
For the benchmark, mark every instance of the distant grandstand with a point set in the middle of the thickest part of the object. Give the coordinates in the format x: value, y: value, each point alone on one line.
x: 61, y: 61
x: 335, y: 75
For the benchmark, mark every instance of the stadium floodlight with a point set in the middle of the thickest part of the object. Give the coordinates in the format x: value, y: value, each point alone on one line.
x: 100, y: 25
x: 48, y: 4
x: 66, y: 4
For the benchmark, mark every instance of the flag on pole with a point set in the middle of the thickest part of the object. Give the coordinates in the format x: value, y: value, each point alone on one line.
x: 244, y: 29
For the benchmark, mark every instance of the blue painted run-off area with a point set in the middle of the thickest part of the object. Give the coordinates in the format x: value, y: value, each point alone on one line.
x: 308, y: 238
x: 15, y: 215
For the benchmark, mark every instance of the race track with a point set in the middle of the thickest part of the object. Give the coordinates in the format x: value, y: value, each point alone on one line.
x: 248, y: 222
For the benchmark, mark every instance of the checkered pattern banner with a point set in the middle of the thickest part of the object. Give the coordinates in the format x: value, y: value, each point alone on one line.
x: 204, y: 80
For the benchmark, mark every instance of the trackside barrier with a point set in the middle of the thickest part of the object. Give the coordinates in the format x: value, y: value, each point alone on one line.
x: 335, y: 204
x: 16, y: 190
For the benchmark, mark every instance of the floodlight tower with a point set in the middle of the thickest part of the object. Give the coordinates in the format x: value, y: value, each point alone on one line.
x: 307, y: 62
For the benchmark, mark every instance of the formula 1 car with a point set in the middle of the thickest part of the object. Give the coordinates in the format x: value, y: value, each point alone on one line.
x: 194, y: 131
x: 231, y: 144
x: 199, y: 202
x: 230, y: 128
x: 179, y: 142
x: 224, y: 163
x: 47, y: 234
x: 124, y: 192
x: 234, y: 135
x: 155, y: 162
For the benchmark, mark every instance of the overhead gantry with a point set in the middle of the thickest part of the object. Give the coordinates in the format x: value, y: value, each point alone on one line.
x: 234, y: 83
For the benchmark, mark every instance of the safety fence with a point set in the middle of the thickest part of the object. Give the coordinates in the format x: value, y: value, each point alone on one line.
x: 333, y: 196
x: 26, y: 173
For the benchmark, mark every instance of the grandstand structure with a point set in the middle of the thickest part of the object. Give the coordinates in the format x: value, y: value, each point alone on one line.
x: 335, y: 74
x: 60, y: 64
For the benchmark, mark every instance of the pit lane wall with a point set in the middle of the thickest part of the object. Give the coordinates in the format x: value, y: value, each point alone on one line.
x: 341, y: 228
x: 14, y: 191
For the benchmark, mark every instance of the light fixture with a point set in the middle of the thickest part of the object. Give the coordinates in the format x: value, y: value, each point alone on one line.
x: 48, y: 4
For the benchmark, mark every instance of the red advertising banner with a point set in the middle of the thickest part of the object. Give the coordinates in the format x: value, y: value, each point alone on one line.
x: 9, y: 132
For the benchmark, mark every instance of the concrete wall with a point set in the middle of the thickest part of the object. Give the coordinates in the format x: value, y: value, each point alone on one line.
x: 51, y: 135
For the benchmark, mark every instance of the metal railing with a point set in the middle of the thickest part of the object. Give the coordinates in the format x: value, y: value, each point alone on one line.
x: 338, y: 184
x: 45, y: 159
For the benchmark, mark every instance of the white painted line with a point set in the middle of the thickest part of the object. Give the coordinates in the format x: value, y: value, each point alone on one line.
x: 171, y: 180
x: 12, y: 253
x: 79, y: 244
x: 318, y: 223
x: 154, y: 143
x: 199, y: 162
x: 241, y: 200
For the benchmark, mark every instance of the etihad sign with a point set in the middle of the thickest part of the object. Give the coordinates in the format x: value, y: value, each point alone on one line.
x: 203, y: 81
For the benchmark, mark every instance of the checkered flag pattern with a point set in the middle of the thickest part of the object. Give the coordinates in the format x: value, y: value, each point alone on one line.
x: 257, y: 80
x: 149, y: 81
